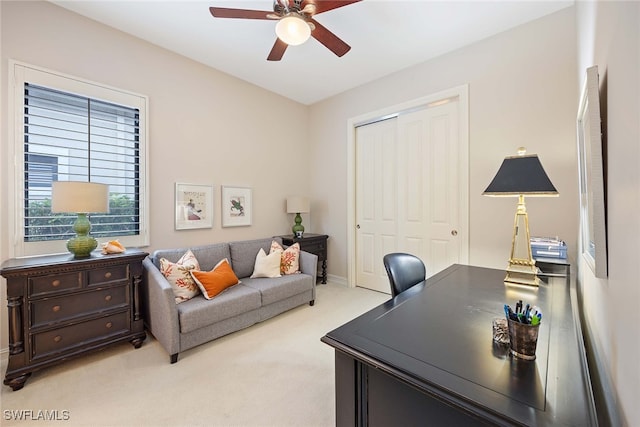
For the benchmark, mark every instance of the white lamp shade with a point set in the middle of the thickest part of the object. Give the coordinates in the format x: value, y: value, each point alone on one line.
x: 293, y: 30
x: 79, y: 197
x: 297, y: 204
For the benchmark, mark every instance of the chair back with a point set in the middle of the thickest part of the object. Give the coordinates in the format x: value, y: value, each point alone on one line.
x: 404, y: 271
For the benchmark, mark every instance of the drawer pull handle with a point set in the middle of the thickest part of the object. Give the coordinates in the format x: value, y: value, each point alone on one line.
x: 57, y: 338
x: 56, y: 308
x: 107, y: 275
x: 109, y: 325
x: 107, y: 298
x: 55, y: 283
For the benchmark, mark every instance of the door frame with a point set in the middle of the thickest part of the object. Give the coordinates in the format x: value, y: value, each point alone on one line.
x: 461, y: 93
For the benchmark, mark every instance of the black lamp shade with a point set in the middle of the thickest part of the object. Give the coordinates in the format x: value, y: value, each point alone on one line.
x: 521, y: 175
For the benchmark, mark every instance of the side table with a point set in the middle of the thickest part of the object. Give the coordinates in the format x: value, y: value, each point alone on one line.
x: 312, y: 243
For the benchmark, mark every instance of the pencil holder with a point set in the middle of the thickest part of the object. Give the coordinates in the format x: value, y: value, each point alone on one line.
x: 523, y: 339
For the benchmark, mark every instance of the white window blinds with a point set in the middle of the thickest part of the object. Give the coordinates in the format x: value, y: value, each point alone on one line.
x: 73, y: 138
x: 69, y: 129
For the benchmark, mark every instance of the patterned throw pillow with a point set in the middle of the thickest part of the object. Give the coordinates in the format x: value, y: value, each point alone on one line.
x: 213, y: 282
x: 178, y: 275
x: 290, y: 259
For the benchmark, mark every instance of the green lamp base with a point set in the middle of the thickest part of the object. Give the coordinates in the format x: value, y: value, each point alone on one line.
x: 82, y: 245
x: 298, y: 228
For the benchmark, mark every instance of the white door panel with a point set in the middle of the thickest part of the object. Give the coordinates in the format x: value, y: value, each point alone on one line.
x: 443, y: 188
x: 407, y: 191
x: 375, y: 205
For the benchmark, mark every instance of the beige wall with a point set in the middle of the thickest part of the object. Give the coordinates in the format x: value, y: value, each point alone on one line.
x: 205, y: 127
x: 522, y: 92
x: 609, y: 37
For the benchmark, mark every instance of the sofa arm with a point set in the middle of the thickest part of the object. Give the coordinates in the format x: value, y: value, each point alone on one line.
x: 161, y: 313
x: 309, y: 265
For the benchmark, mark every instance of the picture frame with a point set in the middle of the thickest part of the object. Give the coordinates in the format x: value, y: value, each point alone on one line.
x: 193, y: 206
x: 591, y: 165
x: 236, y: 206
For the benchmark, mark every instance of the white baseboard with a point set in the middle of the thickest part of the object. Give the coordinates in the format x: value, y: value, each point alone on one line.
x: 338, y: 280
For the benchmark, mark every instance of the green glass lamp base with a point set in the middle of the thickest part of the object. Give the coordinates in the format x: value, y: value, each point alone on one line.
x: 82, y: 245
x: 298, y: 228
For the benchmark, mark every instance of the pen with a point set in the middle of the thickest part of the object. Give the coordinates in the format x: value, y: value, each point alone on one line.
x: 528, y: 315
x: 509, y: 313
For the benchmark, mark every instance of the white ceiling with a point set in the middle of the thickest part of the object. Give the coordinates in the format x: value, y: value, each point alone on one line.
x: 385, y: 36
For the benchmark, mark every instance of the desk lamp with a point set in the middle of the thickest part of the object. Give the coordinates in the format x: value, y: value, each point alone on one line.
x: 520, y: 176
x: 297, y: 205
x: 80, y: 198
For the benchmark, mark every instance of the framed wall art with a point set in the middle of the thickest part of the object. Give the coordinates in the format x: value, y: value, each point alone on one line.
x: 193, y: 206
x: 591, y: 164
x: 236, y: 206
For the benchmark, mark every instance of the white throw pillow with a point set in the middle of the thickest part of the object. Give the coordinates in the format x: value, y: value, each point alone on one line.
x: 267, y: 265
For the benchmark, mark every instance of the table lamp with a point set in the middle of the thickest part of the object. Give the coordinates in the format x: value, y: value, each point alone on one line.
x: 80, y: 198
x: 297, y: 205
x: 520, y: 176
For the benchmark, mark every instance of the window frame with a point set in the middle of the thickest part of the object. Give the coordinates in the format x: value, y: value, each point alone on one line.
x: 21, y: 73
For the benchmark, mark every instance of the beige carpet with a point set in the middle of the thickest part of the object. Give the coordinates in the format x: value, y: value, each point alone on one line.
x: 275, y: 373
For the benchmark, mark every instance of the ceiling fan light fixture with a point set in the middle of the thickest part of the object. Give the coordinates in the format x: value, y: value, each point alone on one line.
x: 293, y: 30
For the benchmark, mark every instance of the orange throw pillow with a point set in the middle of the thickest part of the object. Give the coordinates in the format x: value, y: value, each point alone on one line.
x: 213, y: 282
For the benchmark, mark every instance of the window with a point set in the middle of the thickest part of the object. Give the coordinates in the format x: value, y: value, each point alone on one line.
x: 41, y: 170
x: 73, y: 130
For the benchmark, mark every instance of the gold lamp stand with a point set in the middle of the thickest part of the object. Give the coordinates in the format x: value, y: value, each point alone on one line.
x: 522, y: 268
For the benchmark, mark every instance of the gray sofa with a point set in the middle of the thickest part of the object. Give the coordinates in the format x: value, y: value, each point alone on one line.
x: 179, y: 327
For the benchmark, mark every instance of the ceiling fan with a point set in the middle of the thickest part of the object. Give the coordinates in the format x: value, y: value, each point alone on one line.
x: 295, y: 23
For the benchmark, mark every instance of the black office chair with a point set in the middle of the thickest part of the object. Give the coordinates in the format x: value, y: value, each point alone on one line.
x: 404, y: 271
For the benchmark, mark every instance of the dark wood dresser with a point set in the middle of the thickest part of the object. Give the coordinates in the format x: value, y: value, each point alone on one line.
x: 60, y: 308
x: 312, y: 243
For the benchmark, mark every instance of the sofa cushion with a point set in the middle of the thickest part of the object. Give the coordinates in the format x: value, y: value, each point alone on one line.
x: 199, y: 312
x: 279, y: 288
x: 213, y: 282
x: 243, y: 255
x: 210, y: 255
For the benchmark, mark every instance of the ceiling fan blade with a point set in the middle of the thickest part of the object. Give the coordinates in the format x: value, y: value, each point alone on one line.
x: 326, y: 5
x: 277, y: 50
x: 330, y: 40
x: 223, y: 12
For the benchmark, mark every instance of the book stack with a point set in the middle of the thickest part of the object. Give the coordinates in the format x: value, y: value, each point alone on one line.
x: 548, y: 247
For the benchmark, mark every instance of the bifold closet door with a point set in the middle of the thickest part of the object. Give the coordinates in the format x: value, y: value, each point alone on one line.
x: 407, y: 192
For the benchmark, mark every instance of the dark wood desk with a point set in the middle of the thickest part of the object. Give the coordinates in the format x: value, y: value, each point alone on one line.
x: 426, y: 357
x: 553, y: 267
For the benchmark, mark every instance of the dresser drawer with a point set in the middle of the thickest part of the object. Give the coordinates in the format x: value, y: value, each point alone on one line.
x: 65, y: 339
x: 110, y: 274
x: 42, y: 285
x: 313, y: 247
x: 50, y: 310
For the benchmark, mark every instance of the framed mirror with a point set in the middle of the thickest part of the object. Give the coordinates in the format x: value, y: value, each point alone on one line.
x: 593, y: 224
